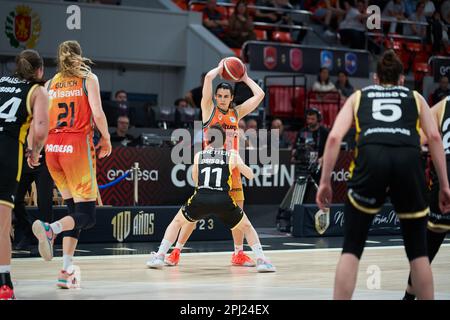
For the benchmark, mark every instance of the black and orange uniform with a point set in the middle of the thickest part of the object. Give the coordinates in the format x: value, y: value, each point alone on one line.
x: 70, y: 149
x: 212, y: 192
x: 15, y: 119
x: 229, y: 121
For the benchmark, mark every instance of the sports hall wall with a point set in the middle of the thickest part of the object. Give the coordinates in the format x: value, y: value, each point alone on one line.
x: 154, y: 51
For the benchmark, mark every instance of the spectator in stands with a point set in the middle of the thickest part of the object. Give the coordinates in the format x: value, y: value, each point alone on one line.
x: 123, y: 108
x: 429, y: 8
x: 252, y: 124
x: 194, y: 96
x: 439, y: 33
x: 343, y: 85
x: 121, y: 138
x: 323, y: 83
x: 310, y: 140
x: 240, y: 26
x: 284, y: 142
x: 442, y: 91
x: 394, y: 11
x: 325, y: 11
x: 353, y: 29
x: 242, y: 129
x: 418, y: 16
x: 213, y: 19
x: 184, y: 114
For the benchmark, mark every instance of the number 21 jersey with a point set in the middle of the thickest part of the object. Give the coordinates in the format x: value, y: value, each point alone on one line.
x: 70, y: 111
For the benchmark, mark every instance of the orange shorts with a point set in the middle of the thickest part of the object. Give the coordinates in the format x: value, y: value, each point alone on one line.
x: 236, y: 192
x: 70, y: 160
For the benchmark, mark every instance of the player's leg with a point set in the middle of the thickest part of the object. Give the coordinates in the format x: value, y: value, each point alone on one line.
x: 10, y: 173
x: 356, y: 228
x: 6, y: 286
x: 245, y: 226
x: 409, y: 198
x: 158, y: 259
x: 239, y: 258
x: 185, y: 232
x: 434, y: 240
x: 366, y: 195
x: 188, y: 214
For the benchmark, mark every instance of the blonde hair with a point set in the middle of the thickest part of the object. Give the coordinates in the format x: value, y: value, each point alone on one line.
x: 71, y: 63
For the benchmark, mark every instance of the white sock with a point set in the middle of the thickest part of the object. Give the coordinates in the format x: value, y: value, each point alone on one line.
x: 258, y: 251
x: 238, y: 248
x: 67, y: 261
x: 56, y: 227
x: 5, y: 268
x: 179, y: 246
x: 164, y: 246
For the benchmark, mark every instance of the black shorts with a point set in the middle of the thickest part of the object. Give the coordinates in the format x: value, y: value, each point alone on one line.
x: 382, y: 171
x: 11, y: 157
x: 203, y: 204
x: 437, y: 219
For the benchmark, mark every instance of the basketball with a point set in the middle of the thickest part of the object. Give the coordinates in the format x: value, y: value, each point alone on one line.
x: 233, y: 69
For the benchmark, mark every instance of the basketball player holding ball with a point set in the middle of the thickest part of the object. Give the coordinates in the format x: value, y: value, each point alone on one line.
x: 223, y: 111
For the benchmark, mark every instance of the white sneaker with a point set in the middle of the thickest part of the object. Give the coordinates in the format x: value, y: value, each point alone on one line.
x: 329, y: 33
x: 265, y: 266
x: 156, y: 261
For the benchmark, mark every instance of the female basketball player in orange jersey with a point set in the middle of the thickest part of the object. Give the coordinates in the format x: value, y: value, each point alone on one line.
x: 75, y: 107
x: 223, y: 112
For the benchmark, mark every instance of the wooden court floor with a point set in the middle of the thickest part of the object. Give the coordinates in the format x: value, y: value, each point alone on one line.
x: 301, y: 274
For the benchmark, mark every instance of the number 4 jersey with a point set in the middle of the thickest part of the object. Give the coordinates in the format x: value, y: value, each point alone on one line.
x: 388, y: 116
x: 15, y: 108
x: 70, y: 110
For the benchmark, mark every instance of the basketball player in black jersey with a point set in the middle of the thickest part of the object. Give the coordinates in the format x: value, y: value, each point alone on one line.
x: 22, y: 98
x: 212, y: 173
x: 438, y: 222
x: 388, y: 118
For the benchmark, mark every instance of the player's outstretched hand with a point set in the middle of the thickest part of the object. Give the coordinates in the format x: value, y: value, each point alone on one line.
x: 104, y: 145
x: 324, y: 196
x: 444, y: 200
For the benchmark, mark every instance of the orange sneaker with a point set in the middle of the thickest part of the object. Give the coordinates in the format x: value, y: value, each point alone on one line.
x: 241, y: 259
x: 6, y: 293
x: 173, y: 258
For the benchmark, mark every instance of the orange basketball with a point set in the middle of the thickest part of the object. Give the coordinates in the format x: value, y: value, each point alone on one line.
x: 233, y: 69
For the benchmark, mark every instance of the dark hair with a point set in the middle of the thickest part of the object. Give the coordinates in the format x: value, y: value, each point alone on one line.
x: 27, y: 63
x: 119, y: 92
x: 389, y: 68
x: 314, y: 112
x: 225, y: 86
x: 244, y: 2
x: 178, y: 101
x: 320, y: 71
x: 347, y: 83
x: 211, y: 135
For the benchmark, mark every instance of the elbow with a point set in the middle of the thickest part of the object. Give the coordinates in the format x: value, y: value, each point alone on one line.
x: 434, y: 137
x: 333, y: 140
x: 40, y: 135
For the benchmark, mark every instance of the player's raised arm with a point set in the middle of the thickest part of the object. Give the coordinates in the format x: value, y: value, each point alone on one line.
x: 252, y: 103
x: 207, y: 103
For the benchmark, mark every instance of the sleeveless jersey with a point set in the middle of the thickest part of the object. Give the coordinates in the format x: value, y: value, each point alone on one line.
x: 388, y: 116
x: 214, y: 170
x: 15, y: 108
x: 229, y: 122
x: 444, y: 125
x: 69, y: 111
